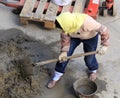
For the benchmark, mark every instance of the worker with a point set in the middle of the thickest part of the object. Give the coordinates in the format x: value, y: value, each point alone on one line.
x: 79, y: 28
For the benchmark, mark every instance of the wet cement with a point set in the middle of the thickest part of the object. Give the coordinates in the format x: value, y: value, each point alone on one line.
x: 17, y: 51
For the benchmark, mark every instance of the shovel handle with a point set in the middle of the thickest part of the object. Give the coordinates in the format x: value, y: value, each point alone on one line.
x: 68, y: 57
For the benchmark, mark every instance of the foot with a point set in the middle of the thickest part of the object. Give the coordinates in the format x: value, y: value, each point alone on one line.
x: 93, y: 76
x: 52, y: 83
x: 55, y: 79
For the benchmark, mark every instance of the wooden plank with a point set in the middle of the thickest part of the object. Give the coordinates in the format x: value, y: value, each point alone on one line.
x: 51, y: 12
x: 49, y: 24
x: 49, y: 17
x: 28, y: 8
x: 39, y: 12
x: 79, y: 5
x: 66, y: 8
x: 23, y: 21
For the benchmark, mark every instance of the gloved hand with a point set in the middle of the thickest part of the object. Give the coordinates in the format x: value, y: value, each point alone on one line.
x: 63, y: 57
x: 102, y: 50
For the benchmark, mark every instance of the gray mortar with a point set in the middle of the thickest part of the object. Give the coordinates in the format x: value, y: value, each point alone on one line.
x: 18, y: 50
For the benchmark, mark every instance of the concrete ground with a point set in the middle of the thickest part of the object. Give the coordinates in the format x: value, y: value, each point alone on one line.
x: 108, y: 75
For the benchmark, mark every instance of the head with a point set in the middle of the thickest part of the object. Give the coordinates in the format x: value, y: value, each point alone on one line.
x: 64, y: 22
x: 69, y: 22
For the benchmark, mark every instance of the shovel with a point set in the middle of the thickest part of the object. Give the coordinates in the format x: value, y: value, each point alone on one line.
x: 29, y: 66
x: 68, y: 57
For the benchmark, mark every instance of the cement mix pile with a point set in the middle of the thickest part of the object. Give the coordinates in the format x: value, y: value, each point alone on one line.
x: 15, y: 79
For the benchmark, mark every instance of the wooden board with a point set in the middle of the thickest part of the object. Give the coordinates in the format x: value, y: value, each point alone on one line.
x: 66, y: 8
x: 79, y: 6
x: 51, y: 12
x: 27, y: 10
x: 45, y: 11
x: 39, y: 12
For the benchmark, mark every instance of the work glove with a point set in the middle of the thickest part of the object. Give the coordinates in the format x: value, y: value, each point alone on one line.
x: 102, y: 50
x: 63, y: 57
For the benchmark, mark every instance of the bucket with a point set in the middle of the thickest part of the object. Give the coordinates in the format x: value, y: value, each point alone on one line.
x: 61, y: 2
x: 85, y: 88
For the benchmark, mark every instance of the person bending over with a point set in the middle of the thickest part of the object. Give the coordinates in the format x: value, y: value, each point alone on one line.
x: 79, y: 28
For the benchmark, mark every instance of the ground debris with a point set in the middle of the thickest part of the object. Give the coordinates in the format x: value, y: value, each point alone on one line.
x: 15, y: 79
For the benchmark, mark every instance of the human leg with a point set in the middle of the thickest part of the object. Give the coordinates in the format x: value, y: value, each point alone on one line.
x: 60, y: 66
x: 91, y: 62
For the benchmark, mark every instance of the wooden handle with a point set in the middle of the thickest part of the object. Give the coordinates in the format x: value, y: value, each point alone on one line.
x: 69, y: 57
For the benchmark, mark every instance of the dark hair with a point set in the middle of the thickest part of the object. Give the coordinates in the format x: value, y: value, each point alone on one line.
x: 57, y: 24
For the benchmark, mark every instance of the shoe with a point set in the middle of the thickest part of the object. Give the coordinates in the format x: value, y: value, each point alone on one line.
x: 93, y: 76
x: 55, y: 79
x: 51, y: 84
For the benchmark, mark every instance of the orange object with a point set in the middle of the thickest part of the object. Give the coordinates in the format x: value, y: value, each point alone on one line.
x: 109, y: 3
x: 92, y: 8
